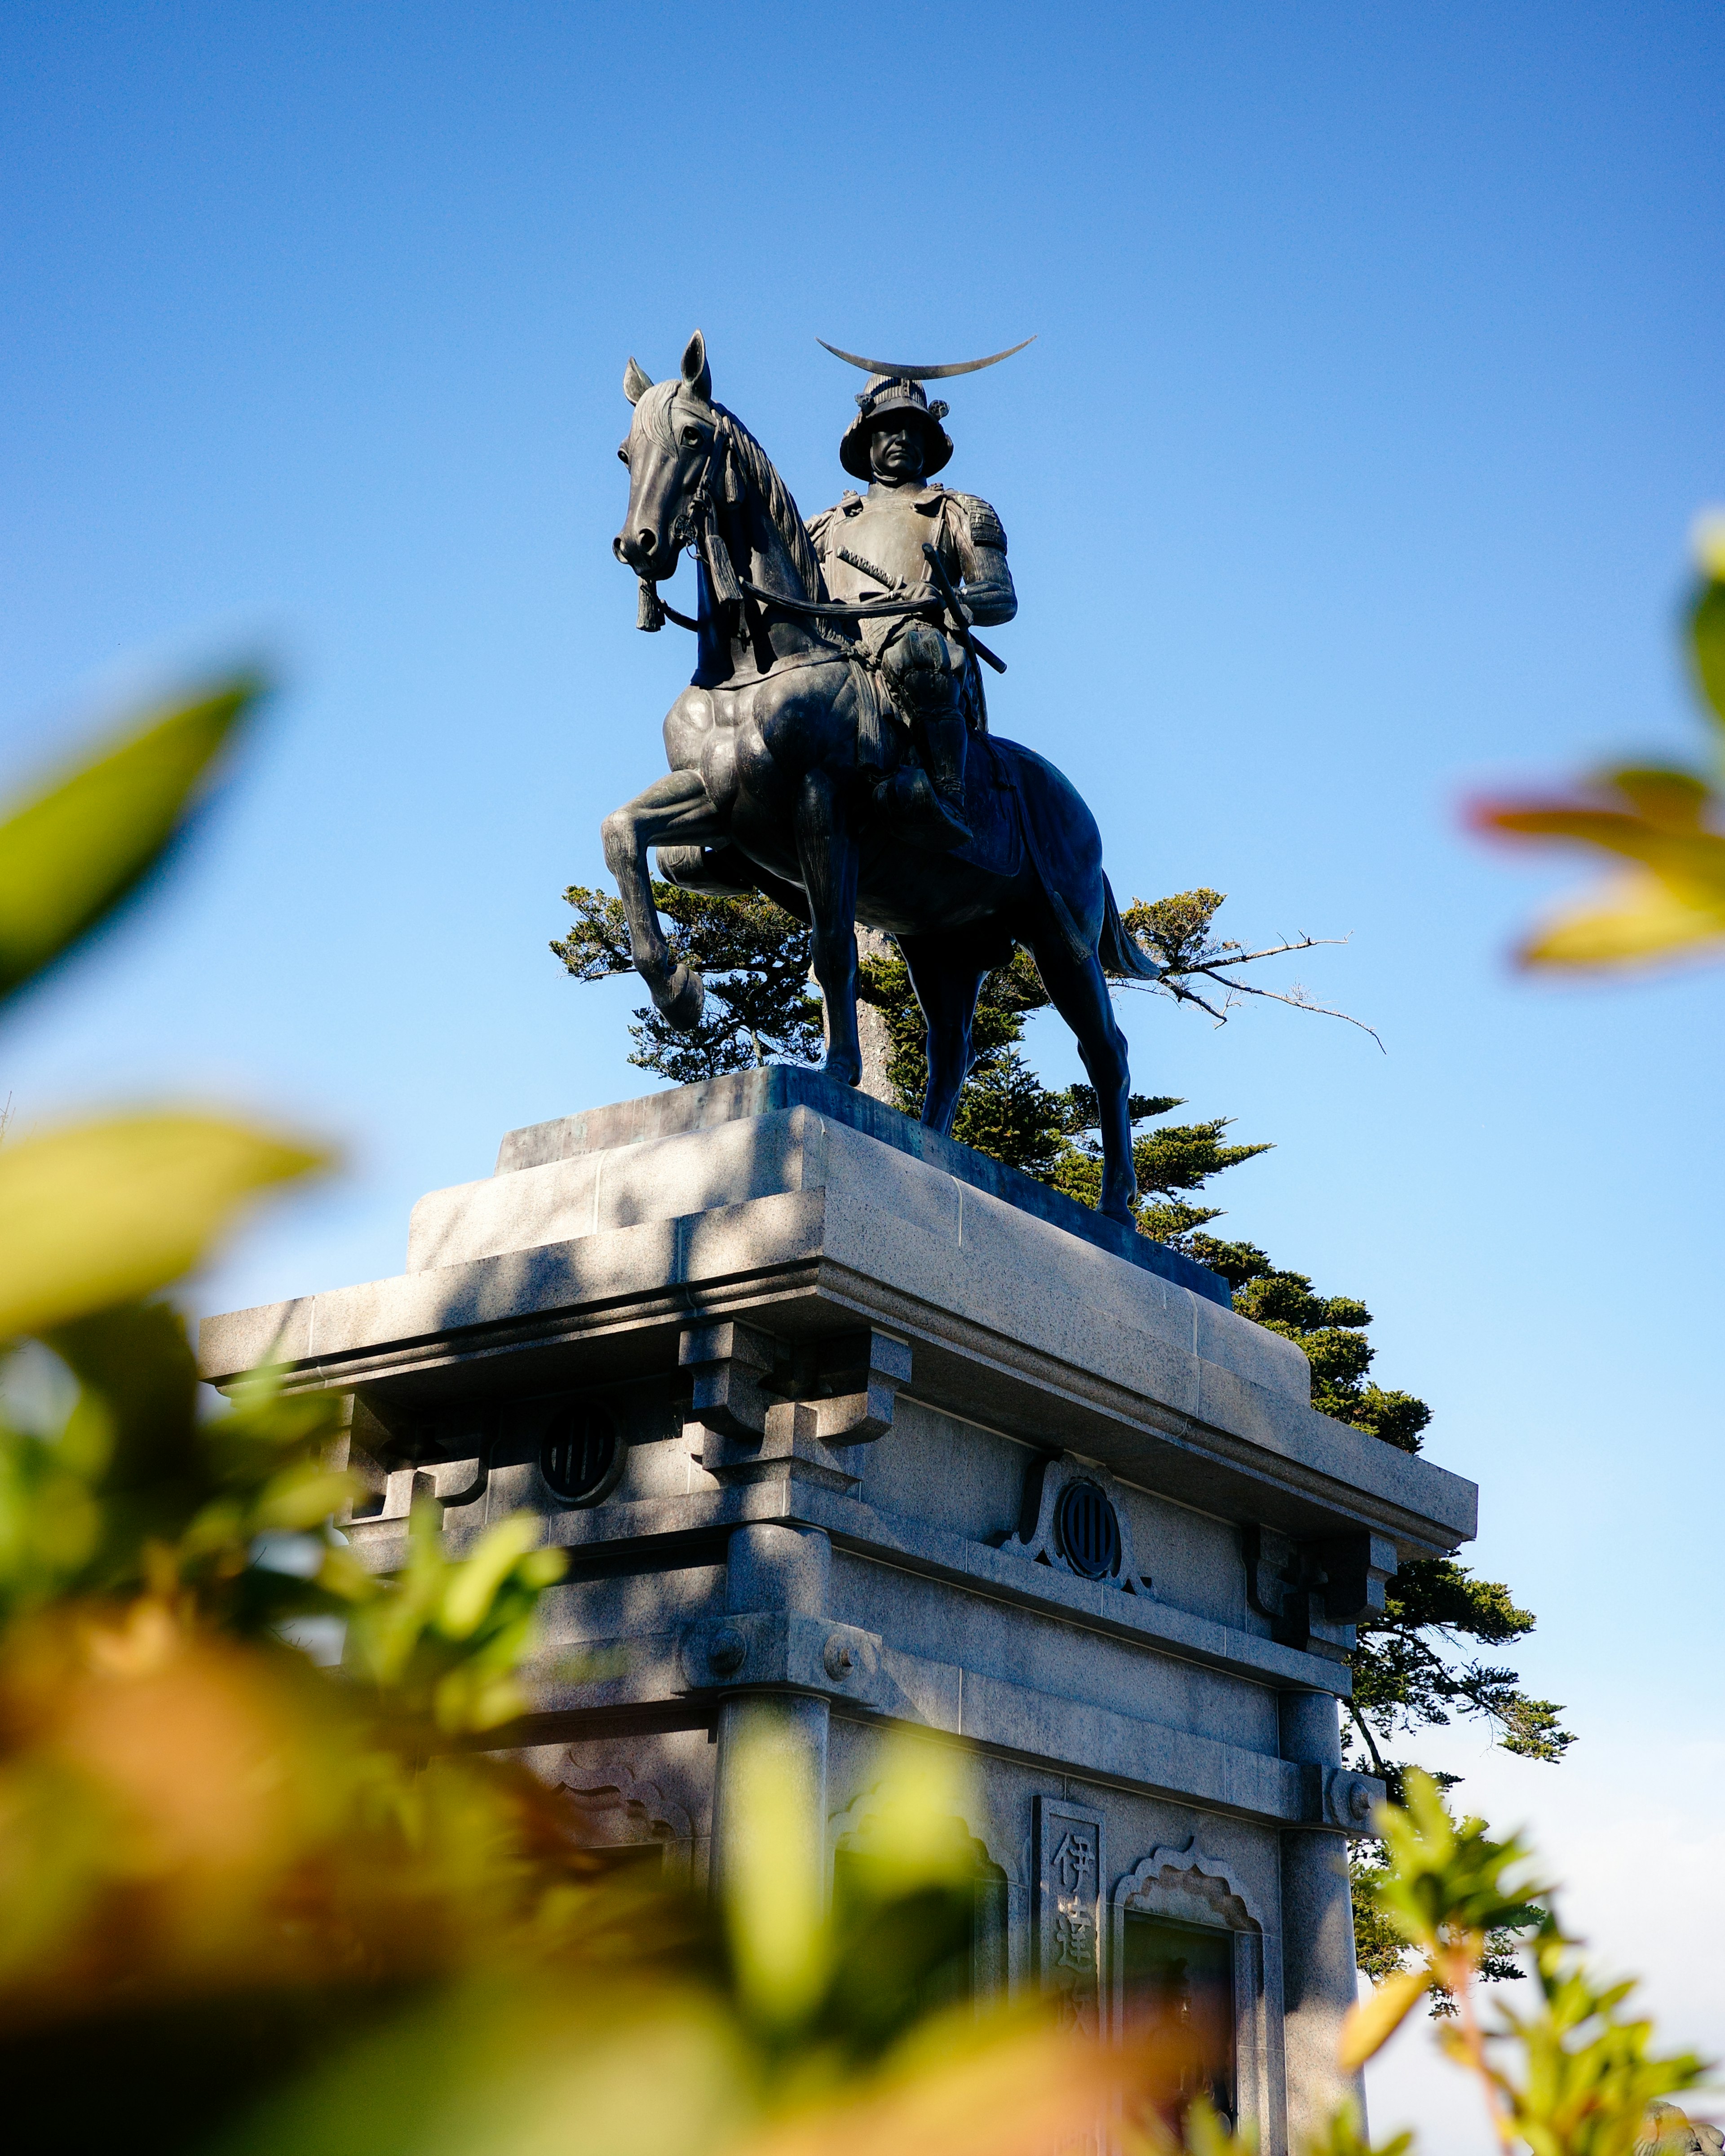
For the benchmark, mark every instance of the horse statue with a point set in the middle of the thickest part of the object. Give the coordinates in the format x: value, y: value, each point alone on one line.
x: 776, y: 749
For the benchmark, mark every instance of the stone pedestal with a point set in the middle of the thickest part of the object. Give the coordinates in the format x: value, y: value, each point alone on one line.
x: 847, y: 1427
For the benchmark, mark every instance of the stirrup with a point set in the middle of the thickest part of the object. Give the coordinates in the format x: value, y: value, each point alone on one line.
x: 918, y: 814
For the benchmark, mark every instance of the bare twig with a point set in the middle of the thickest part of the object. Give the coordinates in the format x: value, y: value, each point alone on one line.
x: 1174, y: 977
x: 1302, y: 942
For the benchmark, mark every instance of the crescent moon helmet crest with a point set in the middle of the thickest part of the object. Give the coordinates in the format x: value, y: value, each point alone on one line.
x: 891, y: 366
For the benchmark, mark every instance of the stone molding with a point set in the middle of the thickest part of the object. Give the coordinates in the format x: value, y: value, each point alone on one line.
x: 1140, y: 1388
x: 612, y: 1795
x: 1217, y: 1885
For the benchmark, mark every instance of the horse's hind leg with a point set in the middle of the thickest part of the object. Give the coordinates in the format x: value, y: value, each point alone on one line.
x: 827, y: 857
x: 1078, y: 991
x: 946, y: 979
x: 675, y: 809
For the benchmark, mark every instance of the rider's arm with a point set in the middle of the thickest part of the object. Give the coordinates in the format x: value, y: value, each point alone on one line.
x: 981, y: 547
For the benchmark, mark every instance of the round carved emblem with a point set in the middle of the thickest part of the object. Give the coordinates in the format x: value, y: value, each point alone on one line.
x: 581, y: 1447
x: 1089, y: 1532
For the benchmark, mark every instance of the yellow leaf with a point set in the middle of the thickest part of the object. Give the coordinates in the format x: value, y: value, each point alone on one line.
x: 84, y: 843
x: 1372, y: 2023
x: 1642, y: 919
x: 1708, y: 535
x: 100, y: 1213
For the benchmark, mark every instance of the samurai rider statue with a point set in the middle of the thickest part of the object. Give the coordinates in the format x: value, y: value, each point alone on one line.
x: 869, y: 546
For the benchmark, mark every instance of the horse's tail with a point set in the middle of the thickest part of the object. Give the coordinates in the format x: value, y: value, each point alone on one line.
x: 1121, y: 954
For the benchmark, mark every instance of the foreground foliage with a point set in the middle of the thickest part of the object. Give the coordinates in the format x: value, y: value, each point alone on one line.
x: 1571, y: 2075
x: 249, y: 1906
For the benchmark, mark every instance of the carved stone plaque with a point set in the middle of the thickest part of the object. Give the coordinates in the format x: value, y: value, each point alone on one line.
x: 1068, y: 1910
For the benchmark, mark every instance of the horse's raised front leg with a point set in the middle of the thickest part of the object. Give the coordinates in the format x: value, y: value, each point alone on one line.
x: 678, y: 810
x: 826, y: 859
x: 1079, y: 993
x: 946, y: 980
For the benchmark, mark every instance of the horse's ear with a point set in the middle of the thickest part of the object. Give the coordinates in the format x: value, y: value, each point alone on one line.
x: 696, y: 373
x: 636, y: 380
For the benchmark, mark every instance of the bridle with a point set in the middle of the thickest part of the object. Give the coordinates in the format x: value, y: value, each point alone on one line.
x: 696, y: 526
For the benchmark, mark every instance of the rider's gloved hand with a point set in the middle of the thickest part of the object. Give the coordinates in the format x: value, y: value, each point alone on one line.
x: 927, y: 594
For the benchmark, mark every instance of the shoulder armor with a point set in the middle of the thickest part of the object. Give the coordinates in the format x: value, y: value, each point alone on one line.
x: 985, y: 528
x: 819, y: 528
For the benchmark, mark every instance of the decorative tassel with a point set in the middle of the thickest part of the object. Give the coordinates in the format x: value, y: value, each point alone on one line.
x: 649, y: 614
x: 731, y: 486
x: 728, y: 593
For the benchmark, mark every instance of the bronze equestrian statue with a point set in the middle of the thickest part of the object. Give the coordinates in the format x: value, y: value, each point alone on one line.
x: 793, y: 773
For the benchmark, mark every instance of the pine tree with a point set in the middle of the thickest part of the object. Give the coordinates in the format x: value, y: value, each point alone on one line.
x: 754, y: 957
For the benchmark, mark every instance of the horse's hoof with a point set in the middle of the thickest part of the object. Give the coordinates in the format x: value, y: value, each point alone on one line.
x: 1118, y: 1210
x: 680, y: 1004
x: 846, y: 1069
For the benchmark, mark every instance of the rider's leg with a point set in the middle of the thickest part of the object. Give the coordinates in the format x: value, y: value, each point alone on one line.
x: 943, y: 752
x: 678, y: 808
x: 1078, y: 989
x: 923, y: 681
x: 945, y: 978
x: 826, y: 859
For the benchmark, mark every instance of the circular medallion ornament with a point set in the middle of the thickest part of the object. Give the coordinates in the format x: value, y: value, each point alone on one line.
x: 580, y: 1453
x: 1089, y: 1532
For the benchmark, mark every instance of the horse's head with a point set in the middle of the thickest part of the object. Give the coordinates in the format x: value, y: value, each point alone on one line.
x: 668, y: 451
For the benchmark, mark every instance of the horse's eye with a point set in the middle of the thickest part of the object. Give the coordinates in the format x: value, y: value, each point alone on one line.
x: 622, y: 454
x: 691, y: 437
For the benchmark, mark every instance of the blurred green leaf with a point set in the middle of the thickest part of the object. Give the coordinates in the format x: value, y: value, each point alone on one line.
x: 102, y: 1213
x: 473, y: 1587
x: 772, y: 1867
x: 77, y: 850
x: 1707, y: 616
x: 447, y: 1637
x: 1341, y: 2137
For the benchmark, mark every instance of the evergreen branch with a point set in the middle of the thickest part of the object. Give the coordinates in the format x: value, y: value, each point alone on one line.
x: 1371, y: 1742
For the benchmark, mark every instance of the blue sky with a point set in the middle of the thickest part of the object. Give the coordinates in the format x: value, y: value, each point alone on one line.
x: 1376, y: 380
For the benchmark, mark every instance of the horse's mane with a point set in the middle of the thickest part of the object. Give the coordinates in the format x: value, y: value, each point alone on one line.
x: 760, y: 471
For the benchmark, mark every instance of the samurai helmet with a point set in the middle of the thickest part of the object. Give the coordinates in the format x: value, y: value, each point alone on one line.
x: 890, y: 396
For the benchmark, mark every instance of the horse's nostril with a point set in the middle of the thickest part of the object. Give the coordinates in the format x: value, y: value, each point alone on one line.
x: 644, y: 540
